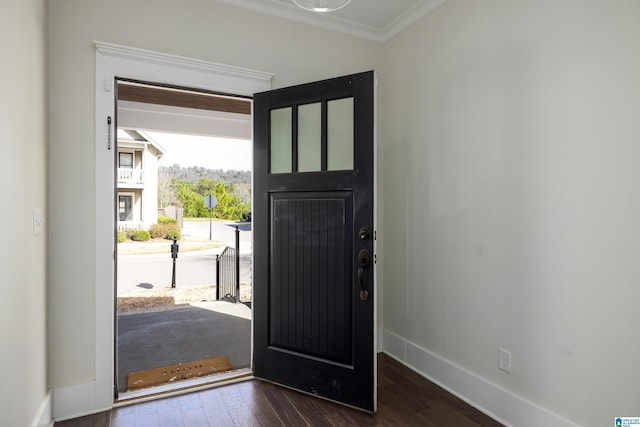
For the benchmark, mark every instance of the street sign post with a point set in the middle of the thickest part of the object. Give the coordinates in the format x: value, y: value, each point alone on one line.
x: 210, y: 202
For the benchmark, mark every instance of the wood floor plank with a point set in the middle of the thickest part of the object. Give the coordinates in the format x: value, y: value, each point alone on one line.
x: 256, y: 402
x: 147, y: 414
x: 307, y: 408
x: 195, y: 417
x: 126, y: 420
x: 122, y: 417
x: 406, y: 408
x: 404, y: 399
x: 233, y: 400
x: 337, y: 419
x: 359, y: 418
x: 170, y: 413
x: 214, y: 407
x: 101, y: 419
x: 289, y: 415
x: 190, y: 401
x: 334, y: 413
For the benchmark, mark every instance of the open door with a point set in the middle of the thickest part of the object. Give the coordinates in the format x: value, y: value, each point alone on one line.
x: 313, y: 239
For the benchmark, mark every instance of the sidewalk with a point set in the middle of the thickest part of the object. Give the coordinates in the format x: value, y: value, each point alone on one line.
x: 195, y: 237
x: 163, y: 246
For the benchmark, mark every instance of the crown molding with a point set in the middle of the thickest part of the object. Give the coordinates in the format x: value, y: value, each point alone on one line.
x: 410, y: 17
x: 334, y: 23
x: 150, y: 56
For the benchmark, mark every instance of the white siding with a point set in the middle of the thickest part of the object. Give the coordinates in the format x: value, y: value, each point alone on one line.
x: 150, y: 196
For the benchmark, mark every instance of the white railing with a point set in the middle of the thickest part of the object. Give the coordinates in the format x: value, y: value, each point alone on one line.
x: 130, y: 176
x: 130, y: 225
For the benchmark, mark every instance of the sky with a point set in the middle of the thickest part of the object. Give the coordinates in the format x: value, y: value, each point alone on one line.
x: 205, y: 151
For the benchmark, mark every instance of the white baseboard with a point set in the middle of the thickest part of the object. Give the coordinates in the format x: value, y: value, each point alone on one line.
x: 379, y: 340
x: 501, y: 405
x: 75, y: 401
x: 44, y: 417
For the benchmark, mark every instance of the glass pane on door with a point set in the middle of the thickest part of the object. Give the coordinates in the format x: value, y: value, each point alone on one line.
x: 310, y: 137
x: 280, y: 150
x: 340, y: 134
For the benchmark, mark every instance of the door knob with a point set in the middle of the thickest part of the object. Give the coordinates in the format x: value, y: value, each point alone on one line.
x: 364, y: 258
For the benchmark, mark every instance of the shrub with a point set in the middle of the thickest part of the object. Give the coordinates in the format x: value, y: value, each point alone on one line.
x: 129, y: 232
x: 122, y: 236
x: 159, y: 230
x: 166, y: 231
x: 173, y: 233
x: 166, y: 220
x: 141, y: 236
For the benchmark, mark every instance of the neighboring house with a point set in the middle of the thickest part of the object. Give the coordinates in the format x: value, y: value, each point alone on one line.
x: 137, y: 179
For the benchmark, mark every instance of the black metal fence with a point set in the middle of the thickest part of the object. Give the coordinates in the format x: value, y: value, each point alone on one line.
x: 228, y: 272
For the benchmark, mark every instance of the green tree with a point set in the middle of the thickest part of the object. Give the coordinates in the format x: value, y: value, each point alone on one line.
x: 192, y: 201
x: 206, y: 186
x: 230, y: 205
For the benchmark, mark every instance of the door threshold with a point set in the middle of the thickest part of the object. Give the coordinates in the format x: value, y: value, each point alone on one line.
x: 182, y: 387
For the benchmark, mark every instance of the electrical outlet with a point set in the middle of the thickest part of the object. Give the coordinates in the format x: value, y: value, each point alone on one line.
x: 504, y: 360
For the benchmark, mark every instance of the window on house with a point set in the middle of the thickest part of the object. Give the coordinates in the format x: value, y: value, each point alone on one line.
x: 125, y: 160
x: 124, y: 208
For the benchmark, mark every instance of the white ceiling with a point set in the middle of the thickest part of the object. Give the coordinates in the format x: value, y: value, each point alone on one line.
x: 185, y: 121
x: 376, y: 20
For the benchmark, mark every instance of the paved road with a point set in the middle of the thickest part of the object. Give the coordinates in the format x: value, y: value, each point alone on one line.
x: 198, y: 268
x: 154, y: 271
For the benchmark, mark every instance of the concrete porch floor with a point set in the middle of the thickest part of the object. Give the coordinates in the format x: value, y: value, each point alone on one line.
x: 200, y: 331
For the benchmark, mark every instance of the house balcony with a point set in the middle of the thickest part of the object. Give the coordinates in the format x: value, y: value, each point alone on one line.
x: 130, y: 178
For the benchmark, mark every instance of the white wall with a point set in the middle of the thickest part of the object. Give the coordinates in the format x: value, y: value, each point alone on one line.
x: 192, y: 28
x: 510, y: 173
x: 23, y: 130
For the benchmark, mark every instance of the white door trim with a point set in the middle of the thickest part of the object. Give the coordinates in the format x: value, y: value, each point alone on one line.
x: 128, y: 62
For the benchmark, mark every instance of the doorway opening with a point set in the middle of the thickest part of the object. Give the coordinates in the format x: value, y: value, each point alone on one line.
x: 182, y: 201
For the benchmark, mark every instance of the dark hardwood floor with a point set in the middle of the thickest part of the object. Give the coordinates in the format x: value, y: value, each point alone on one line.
x: 404, y: 399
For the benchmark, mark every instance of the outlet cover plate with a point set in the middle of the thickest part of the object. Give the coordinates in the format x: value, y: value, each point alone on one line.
x: 504, y: 361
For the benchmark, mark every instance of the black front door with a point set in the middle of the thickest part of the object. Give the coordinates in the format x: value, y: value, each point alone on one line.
x: 313, y: 238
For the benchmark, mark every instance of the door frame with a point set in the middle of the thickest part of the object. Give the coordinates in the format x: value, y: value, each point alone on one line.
x: 113, y: 61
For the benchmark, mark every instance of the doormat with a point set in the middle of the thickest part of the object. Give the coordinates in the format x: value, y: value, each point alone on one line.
x: 183, y: 371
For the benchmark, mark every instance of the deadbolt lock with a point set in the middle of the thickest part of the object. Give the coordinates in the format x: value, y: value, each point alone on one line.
x: 364, y: 233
